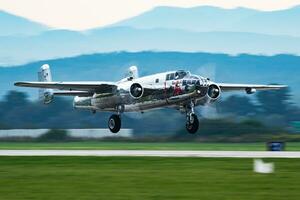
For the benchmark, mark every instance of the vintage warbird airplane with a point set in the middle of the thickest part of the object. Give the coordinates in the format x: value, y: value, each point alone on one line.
x: 178, y: 89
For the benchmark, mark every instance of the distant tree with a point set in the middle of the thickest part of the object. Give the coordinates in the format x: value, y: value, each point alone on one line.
x: 54, y: 136
x: 294, y: 113
x: 275, y: 101
x: 239, y: 105
x: 15, y: 99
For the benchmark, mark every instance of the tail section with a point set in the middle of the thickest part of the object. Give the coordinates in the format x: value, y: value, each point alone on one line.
x: 44, y: 75
x: 133, y: 72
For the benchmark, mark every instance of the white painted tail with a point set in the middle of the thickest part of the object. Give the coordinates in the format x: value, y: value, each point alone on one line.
x: 44, y: 75
x: 133, y: 72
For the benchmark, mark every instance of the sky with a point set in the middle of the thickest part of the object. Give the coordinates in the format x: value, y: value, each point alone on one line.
x: 85, y: 14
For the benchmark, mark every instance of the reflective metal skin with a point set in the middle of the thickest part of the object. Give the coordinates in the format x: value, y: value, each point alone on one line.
x: 177, y: 89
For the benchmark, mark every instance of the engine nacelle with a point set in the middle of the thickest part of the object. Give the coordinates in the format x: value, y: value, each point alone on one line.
x: 250, y: 90
x: 213, y: 92
x: 136, y: 90
x: 48, y: 96
x: 82, y: 102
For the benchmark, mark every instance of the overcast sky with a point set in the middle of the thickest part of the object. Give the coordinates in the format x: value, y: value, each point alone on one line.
x: 84, y: 14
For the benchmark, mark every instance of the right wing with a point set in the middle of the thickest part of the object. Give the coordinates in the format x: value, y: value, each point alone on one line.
x: 227, y: 87
x: 87, y: 87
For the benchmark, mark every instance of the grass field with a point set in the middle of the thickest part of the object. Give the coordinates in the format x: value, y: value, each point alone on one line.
x: 145, y: 146
x: 145, y: 178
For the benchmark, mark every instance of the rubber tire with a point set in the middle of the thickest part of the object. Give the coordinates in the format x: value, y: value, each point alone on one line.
x: 193, y: 128
x: 117, y: 123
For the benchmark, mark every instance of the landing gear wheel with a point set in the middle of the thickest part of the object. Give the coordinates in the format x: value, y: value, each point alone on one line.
x: 192, y: 123
x: 114, y: 123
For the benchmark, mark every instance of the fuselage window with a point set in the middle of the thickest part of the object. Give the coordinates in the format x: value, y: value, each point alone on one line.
x: 172, y: 76
x: 168, y: 77
x: 157, y: 80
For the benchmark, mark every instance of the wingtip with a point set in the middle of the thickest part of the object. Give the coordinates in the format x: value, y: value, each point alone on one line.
x: 18, y: 83
x: 278, y: 86
x: 282, y: 86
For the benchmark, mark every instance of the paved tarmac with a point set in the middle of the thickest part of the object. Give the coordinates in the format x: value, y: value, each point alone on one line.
x: 141, y: 153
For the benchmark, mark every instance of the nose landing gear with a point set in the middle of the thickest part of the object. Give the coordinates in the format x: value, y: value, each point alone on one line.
x: 192, y: 122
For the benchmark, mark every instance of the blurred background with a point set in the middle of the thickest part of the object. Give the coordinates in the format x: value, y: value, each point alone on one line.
x: 252, y: 44
x: 236, y: 41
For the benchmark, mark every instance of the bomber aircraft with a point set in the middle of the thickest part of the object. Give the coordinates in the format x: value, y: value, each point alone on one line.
x: 175, y: 89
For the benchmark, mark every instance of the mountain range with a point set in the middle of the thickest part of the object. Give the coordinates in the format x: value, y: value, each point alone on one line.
x: 19, y: 26
x: 198, y: 29
x: 209, y: 19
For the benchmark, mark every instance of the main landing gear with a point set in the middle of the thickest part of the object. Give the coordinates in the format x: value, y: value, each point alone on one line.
x: 114, y: 123
x: 192, y: 122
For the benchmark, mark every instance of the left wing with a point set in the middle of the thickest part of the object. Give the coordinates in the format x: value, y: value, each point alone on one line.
x: 90, y: 87
x: 226, y: 87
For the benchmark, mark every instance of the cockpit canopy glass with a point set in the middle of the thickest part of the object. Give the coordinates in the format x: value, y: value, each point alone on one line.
x: 180, y: 74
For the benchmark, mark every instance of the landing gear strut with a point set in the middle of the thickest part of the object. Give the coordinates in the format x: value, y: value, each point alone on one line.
x: 114, y: 123
x: 192, y: 122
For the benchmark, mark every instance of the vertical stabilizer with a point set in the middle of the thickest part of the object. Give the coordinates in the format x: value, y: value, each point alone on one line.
x: 133, y: 72
x: 44, y: 75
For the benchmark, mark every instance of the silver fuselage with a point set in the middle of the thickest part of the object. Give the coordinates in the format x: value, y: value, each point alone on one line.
x: 167, y: 92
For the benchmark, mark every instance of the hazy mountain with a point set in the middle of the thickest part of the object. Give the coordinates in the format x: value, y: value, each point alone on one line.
x: 283, y: 69
x: 63, y: 43
x: 199, y: 29
x: 207, y: 19
x: 14, y: 25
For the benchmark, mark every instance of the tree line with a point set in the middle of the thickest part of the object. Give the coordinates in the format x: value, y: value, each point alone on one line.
x: 271, y: 109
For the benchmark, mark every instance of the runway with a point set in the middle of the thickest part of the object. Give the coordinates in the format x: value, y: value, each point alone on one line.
x: 142, y: 153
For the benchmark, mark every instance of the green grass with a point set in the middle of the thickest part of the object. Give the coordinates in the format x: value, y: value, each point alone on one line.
x: 145, y: 178
x: 145, y: 146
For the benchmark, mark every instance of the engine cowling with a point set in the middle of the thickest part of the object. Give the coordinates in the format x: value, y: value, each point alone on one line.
x: 214, y: 91
x: 250, y: 90
x: 136, y: 90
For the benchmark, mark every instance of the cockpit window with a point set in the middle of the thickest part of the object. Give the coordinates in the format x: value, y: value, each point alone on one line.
x: 180, y: 75
x: 170, y: 76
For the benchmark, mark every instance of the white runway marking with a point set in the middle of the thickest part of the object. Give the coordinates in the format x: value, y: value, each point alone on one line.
x: 207, y: 154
